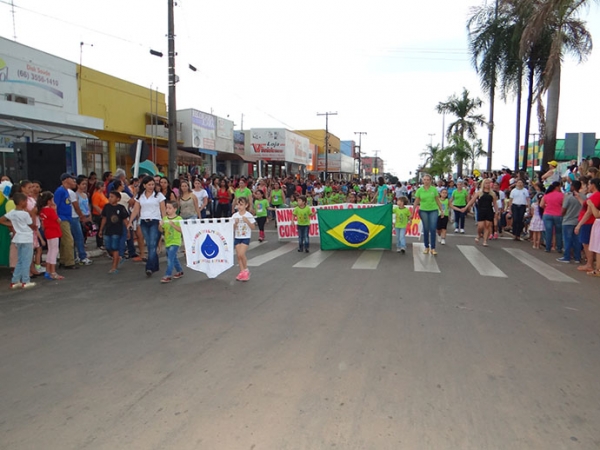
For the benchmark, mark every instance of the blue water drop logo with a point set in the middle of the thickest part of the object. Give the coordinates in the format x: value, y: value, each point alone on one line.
x: 209, y: 248
x: 356, y: 232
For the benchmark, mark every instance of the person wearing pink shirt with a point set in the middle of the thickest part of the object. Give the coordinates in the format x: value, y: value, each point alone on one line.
x: 552, y: 204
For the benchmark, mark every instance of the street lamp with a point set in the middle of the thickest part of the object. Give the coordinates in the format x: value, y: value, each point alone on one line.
x: 431, y: 135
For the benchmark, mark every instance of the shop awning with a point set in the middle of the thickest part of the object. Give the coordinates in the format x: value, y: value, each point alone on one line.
x: 224, y: 156
x: 8, y: 126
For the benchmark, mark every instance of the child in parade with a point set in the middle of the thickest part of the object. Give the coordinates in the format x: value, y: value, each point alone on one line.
x: 442, y: 223
x: 21, y: 224
x: 170, y: 226
x: 114, y: 220
x: 536, y: 226
x: 302, y: 215
x: 261, y: 206
x: 243, y: 223
x: 52, y: 231
x: 293, y: 201
x: 402, y: 217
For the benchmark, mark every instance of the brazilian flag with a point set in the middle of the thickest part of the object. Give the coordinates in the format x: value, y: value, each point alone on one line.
x: 343, y: 229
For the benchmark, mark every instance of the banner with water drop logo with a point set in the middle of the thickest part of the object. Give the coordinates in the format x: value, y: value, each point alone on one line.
x: 208, y: 245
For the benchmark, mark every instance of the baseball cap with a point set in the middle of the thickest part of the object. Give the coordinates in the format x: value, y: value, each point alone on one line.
x: 553, y: 163
x: 65, y: 175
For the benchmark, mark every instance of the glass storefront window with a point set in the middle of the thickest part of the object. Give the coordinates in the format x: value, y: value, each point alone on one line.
x: 124, y: 161
x: 94, y: 157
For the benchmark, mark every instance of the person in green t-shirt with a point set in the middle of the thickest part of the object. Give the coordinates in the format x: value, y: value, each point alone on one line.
x: 170, y: 225
x: 402, y: 214
x: 261, y: 206
x: 427, y: 199
x: 241, y: 191
x: 460, y: 198
x: 302, y: 215
x: 442, y: 223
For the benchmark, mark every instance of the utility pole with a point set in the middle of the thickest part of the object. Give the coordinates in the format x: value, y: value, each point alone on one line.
x: 375, y: 165
x: 172, y: 103
x: 360, y: 133
x: 327, y: 114
x: 533, y: 155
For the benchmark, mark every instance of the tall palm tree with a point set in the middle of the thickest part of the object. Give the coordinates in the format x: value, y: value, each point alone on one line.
x: 466, y: 123
x: 559, y: 18
x: 437, y: 160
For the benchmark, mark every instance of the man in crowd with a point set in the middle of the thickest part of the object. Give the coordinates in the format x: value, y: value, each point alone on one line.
x: 65, y: 211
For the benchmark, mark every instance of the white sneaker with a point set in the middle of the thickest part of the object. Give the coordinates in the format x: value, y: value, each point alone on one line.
x: 398, y: 250
x: 443, y: 241
x: 456, y: 230
x: 28, y: 285
x: 462, y: 231
x: 86, y: 261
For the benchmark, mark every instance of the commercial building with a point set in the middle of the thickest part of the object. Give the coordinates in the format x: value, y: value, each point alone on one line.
x: 279, y: 151
x: 372, y: 167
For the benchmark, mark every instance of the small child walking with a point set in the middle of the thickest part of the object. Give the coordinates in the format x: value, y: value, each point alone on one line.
x: 442, y: 223
x: 21, y: 224
x: 402, y: 217
x: 261, y: 206
x: 170, y: 226
x: 114, y: 221
x: 52, y: 231
x: 243, y: 223
x: 302, y: 215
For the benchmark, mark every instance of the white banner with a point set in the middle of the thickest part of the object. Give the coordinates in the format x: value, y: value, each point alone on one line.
x: 208, y: 245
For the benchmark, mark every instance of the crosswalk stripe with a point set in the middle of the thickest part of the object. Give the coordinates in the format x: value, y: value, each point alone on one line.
x: 369, y: 260
x: 255, y: 244
x: 312, y: 261
x: 261, y: 259
x: 542, y: 268
x: 481, y: 263
x: 422, y: 262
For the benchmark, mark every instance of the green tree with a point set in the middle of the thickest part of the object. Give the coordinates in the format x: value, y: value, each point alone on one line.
x: 467, y: 120
x: 558, y: 19
x: 437, y: 162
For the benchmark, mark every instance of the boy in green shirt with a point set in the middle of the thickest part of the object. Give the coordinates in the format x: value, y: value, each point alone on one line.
x: 170, y: 225
x: 261, y: 206
x: 302, y: 215
x: 402, y: 217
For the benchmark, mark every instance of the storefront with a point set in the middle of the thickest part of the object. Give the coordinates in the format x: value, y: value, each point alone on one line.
x: 280, y: 152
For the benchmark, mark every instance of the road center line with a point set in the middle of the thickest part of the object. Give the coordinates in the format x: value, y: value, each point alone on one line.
x: 480, y: 262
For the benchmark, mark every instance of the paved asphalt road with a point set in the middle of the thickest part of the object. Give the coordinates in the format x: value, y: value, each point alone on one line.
x: 499, y: 354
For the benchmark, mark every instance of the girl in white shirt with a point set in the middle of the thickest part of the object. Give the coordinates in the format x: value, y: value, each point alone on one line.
x: 243, y: 223
x: 150, y: 208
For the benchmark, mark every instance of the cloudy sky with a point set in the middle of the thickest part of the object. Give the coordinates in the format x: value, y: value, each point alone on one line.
x: 382, y: 66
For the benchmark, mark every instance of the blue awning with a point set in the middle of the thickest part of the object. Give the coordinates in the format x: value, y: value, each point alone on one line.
x: 207, y: 152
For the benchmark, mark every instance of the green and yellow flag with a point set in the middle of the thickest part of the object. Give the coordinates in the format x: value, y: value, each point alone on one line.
x: 343, y: 229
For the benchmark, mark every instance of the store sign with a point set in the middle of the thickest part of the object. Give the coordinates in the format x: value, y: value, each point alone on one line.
x: 297, y: 149
x: 239, y: 142
x: 224, y: 135
x: 32, y: 77
x: 268, y: 144
x: 203, y: 130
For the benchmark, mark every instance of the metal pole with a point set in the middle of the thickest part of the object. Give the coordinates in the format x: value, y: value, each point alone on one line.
x: 172, y: 103
x: 360, y: 133
x: 327, y: 114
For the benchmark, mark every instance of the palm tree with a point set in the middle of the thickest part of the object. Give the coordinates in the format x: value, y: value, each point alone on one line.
x: 559, y: 19
x: 467, y: 120
x: 437, y: 160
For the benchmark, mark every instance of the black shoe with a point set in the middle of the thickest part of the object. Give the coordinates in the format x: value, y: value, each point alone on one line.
x: 148, y: 273
x: 306, y: 250
x: 300, y: 249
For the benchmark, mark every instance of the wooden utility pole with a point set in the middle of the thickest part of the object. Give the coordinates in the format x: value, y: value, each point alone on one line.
x: 327, y: 114
x: 360, y: 133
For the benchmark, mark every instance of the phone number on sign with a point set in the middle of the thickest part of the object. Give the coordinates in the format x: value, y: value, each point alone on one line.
x: 23, y: 74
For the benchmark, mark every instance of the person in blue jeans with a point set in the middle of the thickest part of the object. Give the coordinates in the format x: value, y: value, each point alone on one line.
x: 427, y: 199
x: 170, y: 225
x: 150, y: 208
x: 552, y: 203
x: 81, y: 214
x: 571, y: 208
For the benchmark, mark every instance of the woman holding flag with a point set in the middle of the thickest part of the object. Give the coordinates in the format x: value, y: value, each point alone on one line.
x: 427, y: 199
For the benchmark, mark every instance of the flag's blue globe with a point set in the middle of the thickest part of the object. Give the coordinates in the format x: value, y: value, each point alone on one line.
x: 356, y: 232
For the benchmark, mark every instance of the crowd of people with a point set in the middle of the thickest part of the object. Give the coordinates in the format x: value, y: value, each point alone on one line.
x: 134, y: 218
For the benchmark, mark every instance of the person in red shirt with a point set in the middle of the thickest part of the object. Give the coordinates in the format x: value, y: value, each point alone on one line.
x: 51, y: 226
x: 505, y: 181
x: 586, y: 220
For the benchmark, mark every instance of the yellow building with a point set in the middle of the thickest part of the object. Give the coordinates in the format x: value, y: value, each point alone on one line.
x: 317, y: 137
x: 130, y: 112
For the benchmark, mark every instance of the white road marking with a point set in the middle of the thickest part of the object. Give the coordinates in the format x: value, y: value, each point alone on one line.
x: 481, y: 263
x: 422, y: 262
x: 312, y: 261
x: 542, y: 268
x: 369, y: 260
x: 255, y: 244
x: 260, y: 260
